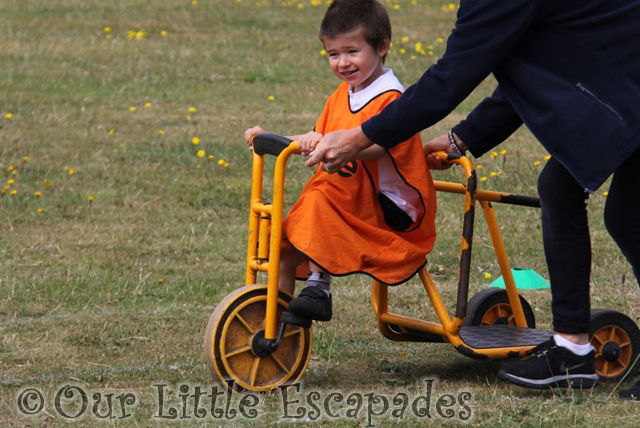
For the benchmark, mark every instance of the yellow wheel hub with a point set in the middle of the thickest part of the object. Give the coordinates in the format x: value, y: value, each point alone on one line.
x: 613, y: 350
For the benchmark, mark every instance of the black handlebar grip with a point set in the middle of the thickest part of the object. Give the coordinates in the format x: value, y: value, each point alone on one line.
x: 272, y: 144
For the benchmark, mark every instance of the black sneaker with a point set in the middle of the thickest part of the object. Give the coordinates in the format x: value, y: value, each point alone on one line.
x: 312, y: 303
x: 551, y: 365
x: 632, y: 393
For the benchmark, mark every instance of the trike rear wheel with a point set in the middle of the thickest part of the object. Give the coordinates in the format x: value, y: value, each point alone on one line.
x: 616, y: 339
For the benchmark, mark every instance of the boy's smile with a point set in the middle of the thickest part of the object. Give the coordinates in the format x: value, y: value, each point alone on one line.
x: 353, y: 60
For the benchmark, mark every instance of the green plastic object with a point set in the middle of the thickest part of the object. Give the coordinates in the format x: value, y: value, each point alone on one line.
x: 525, y: 279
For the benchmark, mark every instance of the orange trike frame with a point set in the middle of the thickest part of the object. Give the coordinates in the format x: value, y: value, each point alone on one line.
x: 265, y: 243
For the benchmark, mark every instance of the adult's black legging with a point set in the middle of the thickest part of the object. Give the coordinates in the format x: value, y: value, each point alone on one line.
x: 567, y: 245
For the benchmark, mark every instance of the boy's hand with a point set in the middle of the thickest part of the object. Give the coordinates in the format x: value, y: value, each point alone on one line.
x: 308, y: 141
x: 250, y: 133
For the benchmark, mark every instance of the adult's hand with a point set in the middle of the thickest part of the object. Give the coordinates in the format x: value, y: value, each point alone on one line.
x: 440, y: 143
x: 337, y: 148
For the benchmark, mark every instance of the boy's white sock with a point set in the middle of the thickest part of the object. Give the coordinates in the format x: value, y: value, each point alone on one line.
x: 319, y: 279
x: 573, y: 347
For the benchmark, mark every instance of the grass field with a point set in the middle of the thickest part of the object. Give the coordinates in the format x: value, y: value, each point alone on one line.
x: 120, y: 234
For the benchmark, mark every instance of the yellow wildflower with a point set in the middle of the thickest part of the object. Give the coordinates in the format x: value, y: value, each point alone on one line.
x: 403, y: 51
x: 112, y: 132
x: 201, y: 153
x: 13, y: 192
x: 226, y: 165
x: 503, y: 152
x: 323, y: 52
x: 10, y: 181
x: 547, y: 157
x: 39, y: 210
x: 606, y: 193
x: 493, y: 174
x: 106, y: 29
x: 479, y: 166
x: 195, y: 141
x: 160, y: 280
x: 536, y: 163
x: 132, y: 108
x: 147, y: 105
x: 37, y: 193
x: 91, y: 199
x: 220, y: 162
x: 8, y: 116
x: 47, y: 183
x: 487, y: 275
x: 10, y: 168
x: 71, y: 171
x: 484, y: 179
x: 405, y: 39
x: 192, y: 109
x: 210, y: 157
x: 418, y: 47
x: 271, y: 98
x: 161, y: 132
x: 164, y: 33
x: 439, y: 40
x: 194, y: 2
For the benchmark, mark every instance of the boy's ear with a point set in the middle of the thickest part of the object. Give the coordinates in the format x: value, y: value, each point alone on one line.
x: 383, y: 49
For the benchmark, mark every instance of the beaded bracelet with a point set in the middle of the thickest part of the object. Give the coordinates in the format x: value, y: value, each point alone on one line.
x: 454, y: 145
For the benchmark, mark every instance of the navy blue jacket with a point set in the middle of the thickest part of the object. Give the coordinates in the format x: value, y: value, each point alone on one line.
x: 568, y: 69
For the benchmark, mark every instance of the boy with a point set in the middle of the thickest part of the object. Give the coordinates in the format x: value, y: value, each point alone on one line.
x: 376, y: 215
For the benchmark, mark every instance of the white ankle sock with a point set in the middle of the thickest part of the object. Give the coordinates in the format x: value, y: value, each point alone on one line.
x: 573, y: 347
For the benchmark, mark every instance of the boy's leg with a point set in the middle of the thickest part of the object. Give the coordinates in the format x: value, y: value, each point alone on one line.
x: 314, y: 301
x: 567, y: 358
x: 290, y: 259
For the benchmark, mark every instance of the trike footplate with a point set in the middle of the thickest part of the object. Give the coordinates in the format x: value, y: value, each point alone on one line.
x: 501, y: 336
x: 290, y: 318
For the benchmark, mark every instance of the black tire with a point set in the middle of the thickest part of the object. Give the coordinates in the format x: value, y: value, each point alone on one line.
x: 616, y: 338
x: 491, y: 307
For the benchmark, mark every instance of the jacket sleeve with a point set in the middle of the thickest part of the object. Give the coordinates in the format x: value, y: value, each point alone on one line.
x: 489, y: 124
x: 485, y: 33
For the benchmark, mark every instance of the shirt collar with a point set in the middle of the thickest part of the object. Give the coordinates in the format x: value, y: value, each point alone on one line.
x: 386, y: 82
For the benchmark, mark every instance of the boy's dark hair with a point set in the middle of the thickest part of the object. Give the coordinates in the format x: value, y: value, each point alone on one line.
x: 346, y: 16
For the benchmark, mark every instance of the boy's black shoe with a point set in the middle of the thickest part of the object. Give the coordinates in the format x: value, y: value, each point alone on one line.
x: 551, y: 365
x: 312, y: 303
x: 632, y: 393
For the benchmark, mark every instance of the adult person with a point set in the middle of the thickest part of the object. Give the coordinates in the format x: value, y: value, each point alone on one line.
x: 570, y: 71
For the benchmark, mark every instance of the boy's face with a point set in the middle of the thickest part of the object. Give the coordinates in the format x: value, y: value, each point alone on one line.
x: 353, y: 60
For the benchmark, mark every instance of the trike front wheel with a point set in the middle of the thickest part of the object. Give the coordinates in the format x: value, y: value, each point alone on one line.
x: 229, y: 340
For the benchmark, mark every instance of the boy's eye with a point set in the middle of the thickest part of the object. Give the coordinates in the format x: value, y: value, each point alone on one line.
x: 353, y: 51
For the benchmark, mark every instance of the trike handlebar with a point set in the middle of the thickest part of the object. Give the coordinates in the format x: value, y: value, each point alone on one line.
x: 267, y: 143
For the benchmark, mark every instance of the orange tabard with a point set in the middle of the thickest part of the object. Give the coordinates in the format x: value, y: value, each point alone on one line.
x: 338, y: 223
